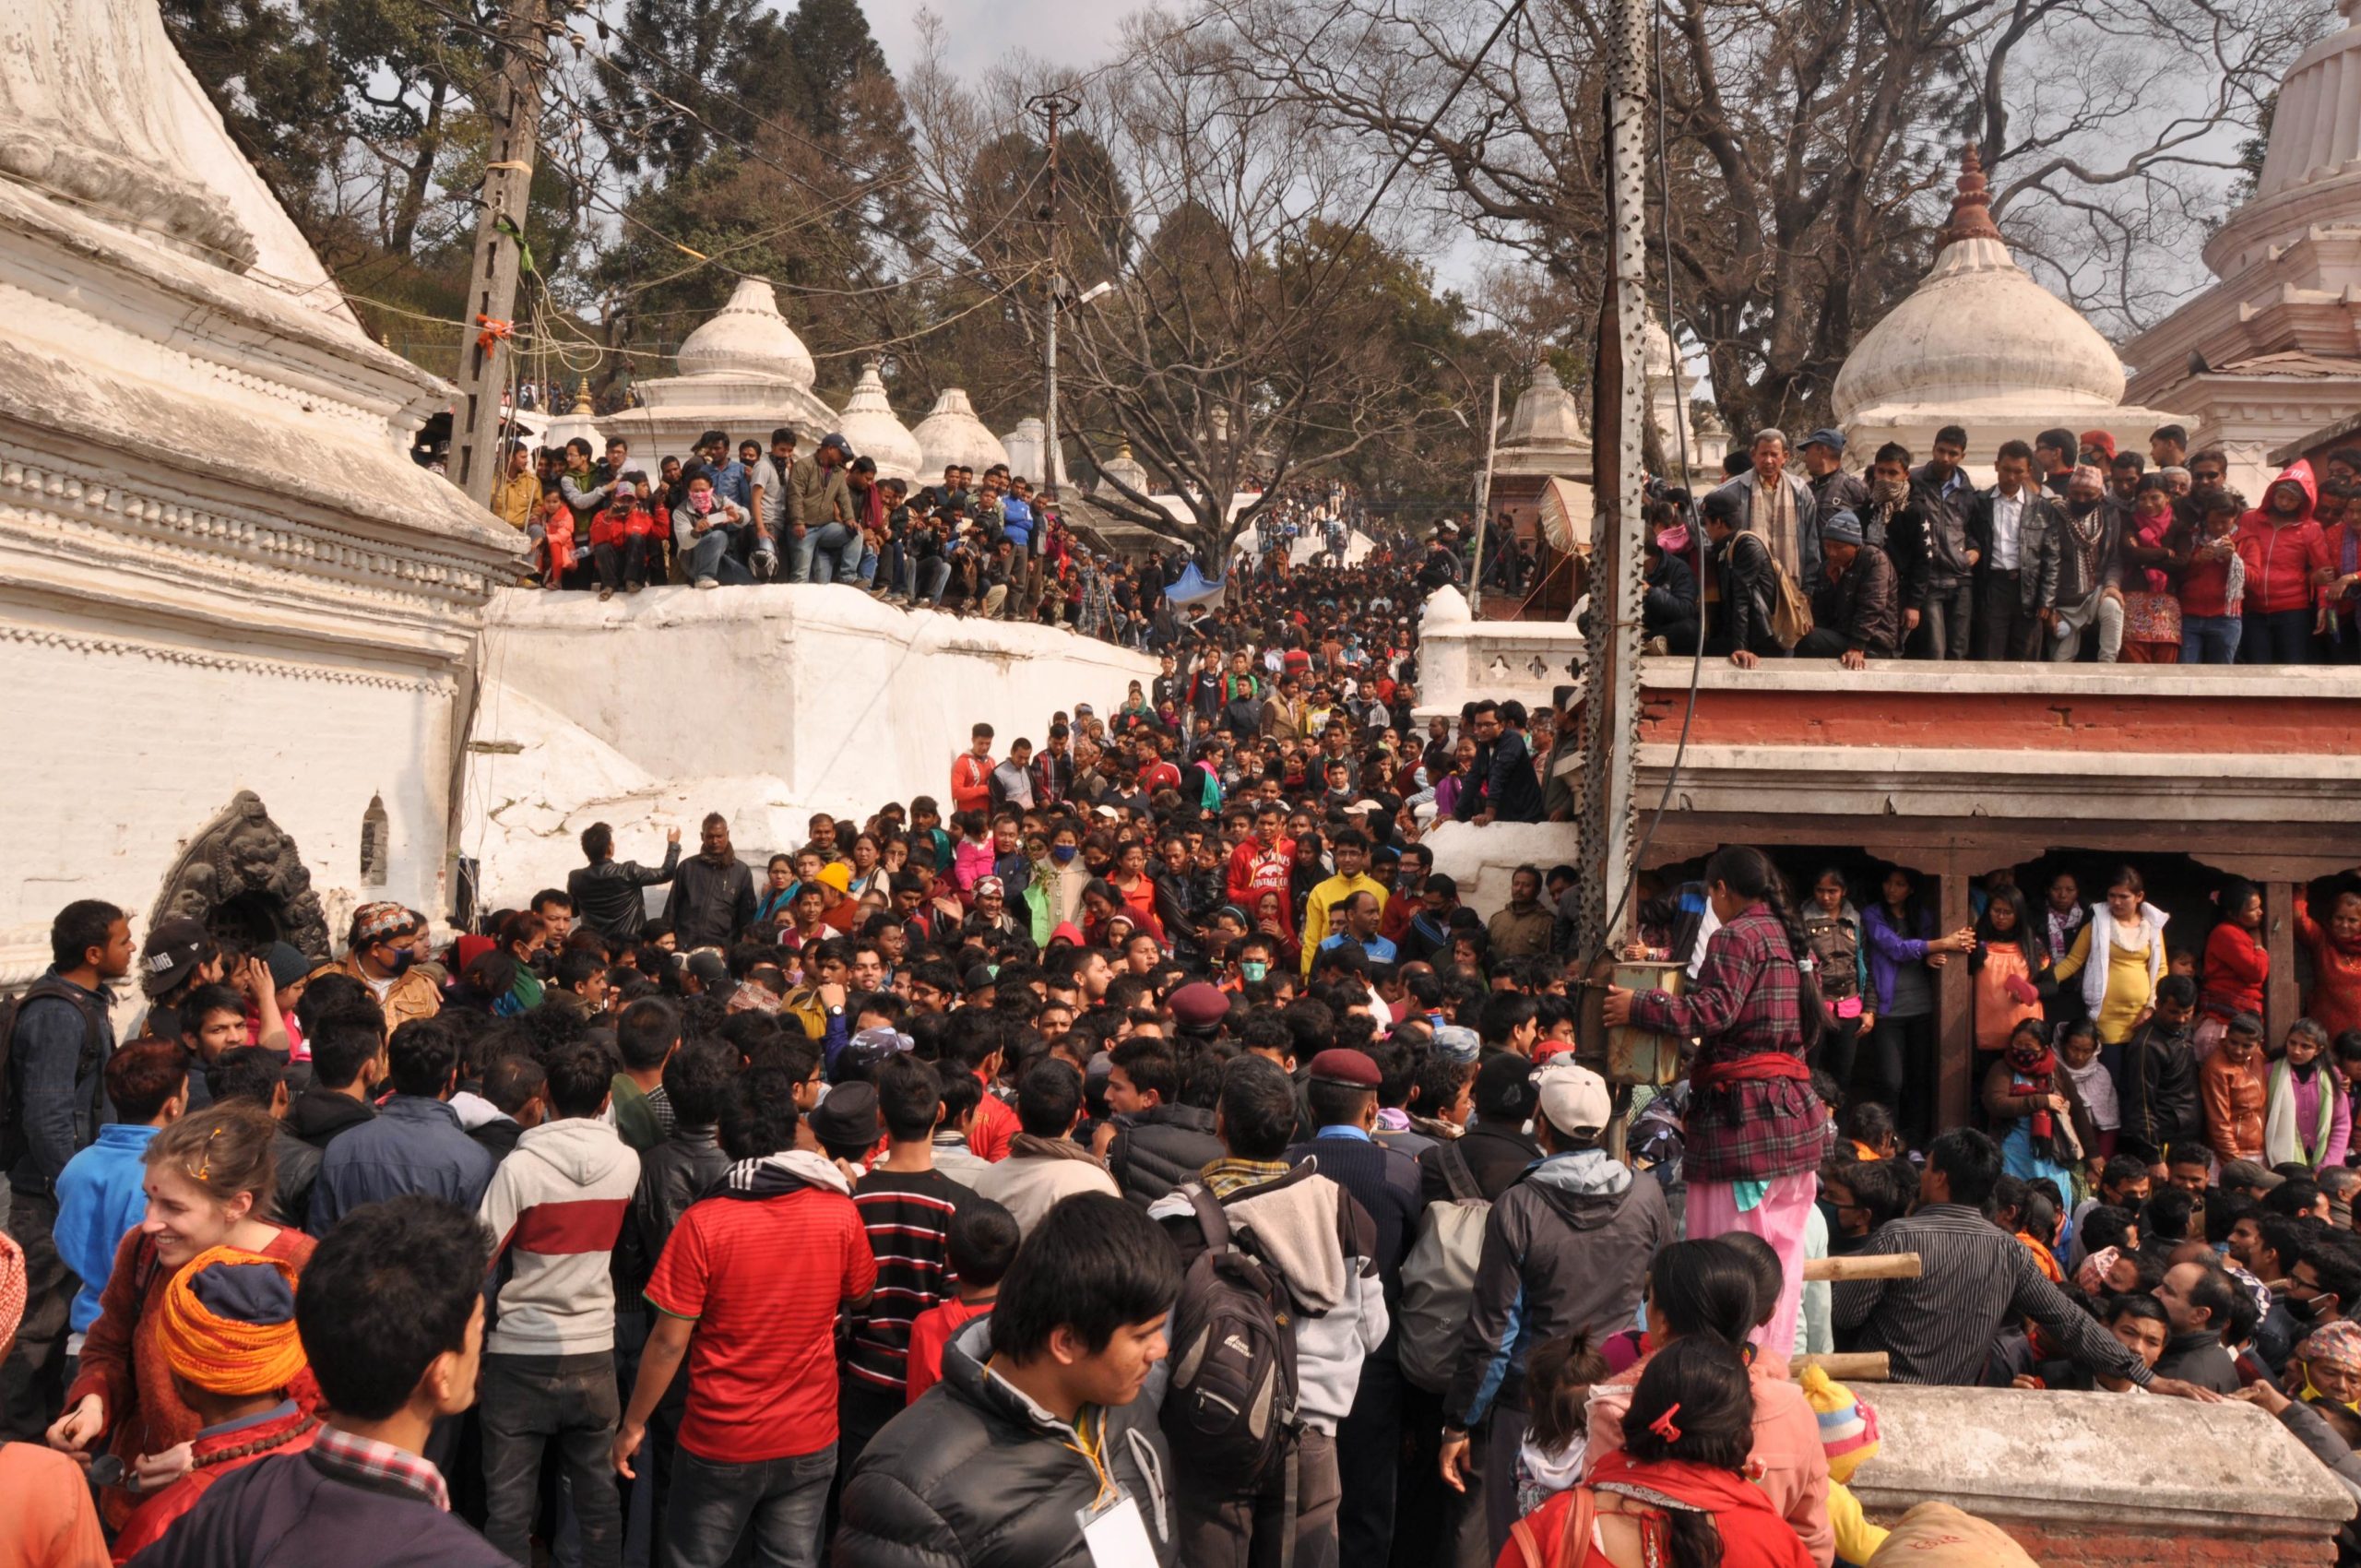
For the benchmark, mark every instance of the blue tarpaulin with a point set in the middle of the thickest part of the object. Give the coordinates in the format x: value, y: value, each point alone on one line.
x: 1191, y: 587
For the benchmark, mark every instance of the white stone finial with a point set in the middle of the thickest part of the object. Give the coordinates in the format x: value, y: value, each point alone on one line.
x: 950, y: 433
x: 869, y: 423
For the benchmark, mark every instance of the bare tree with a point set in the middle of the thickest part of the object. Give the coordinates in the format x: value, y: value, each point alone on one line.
x: 1256, y: 333
x: 1802, y: 141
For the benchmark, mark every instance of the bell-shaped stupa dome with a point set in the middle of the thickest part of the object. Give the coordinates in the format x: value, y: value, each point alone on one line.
x: 1977, y: 340
x: 1545, y: 432
x: 950, y: 433
x: 869, y: 423
x: 749, y: 337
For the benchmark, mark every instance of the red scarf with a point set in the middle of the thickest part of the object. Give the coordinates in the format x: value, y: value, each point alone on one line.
x: 2033, y: 1078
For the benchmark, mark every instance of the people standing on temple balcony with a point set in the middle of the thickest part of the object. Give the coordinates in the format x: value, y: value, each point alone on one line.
x: 1778, y: 507
x: 2053, y: 457
x: 2120, y: 956
x: 2007, y: 969
x: 1840, y: 958
x: 2286, y: 562
x: 1749, y: 579
x: 713, y: 892
x: 517, y: 490
x: 2156, y: 548
x: 1833, y: 490
x: 1904, y: 954
x: 2308, y: 1119
x: 2235, y: 1095
x: 618, y: 538
x: 580, y: 486
x: 1668, y: 602
x: 1755, y: 1129
x: 1856, y: 607
x: 2046, y: 1131
x: 1893, y: 524
x: 767, y: 490
x: 820, y: 532
x: 2072, y: 578
x: 1943, y: 497
x: 2236, y: 965
x: 704, y: 525
x: 2334, y: 1000
x: 2212, y: 584
x: 2003, y: 525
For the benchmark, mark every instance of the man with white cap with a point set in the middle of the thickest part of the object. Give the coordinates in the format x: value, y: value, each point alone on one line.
x: 1566, y: 1250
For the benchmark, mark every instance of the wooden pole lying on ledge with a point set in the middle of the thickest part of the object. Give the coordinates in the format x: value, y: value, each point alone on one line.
x: 1857, y: 1366
x: 1867, y: 1265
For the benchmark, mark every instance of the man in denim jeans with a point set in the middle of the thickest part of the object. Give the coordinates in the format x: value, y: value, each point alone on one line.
x: 748, y: 1290
x: 554, y: 1208
x: 820, y: 505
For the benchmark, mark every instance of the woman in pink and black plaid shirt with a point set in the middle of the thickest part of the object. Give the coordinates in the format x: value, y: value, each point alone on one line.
x: 1756, y: 1133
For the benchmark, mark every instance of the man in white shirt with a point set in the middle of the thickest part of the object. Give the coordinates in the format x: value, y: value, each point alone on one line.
x: 2002, y: 524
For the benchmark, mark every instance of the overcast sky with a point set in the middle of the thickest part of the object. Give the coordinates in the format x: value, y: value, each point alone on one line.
x: 1069, y: 32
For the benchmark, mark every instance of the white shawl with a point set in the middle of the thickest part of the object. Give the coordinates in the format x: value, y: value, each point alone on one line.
x: 2095, y: 969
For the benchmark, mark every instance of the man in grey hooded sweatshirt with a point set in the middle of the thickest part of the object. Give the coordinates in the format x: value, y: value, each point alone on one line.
x: 1566, y: 1250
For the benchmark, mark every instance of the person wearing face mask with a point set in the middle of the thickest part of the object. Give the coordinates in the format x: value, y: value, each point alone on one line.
x: 2072, y: 574
x: 384, y: 946
x: 1055, y: 877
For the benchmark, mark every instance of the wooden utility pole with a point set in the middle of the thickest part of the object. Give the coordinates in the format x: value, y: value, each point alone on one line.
x: 500, y: 251
x: 1611, y: 679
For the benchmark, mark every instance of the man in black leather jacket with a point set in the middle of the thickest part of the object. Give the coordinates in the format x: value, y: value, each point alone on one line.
x: 606, y: 892
x: 1044, y: 1406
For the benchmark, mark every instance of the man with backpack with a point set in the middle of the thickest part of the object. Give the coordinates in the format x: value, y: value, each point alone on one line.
x: 1342, y: 1096
x: 1281, y: 1302
x: 1566, y: 1250
x: 54, y: 1042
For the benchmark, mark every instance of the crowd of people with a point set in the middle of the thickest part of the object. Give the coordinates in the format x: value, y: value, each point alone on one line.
x: 2076, y: 551
x: 1137, y: 1154
x: 989, y: 544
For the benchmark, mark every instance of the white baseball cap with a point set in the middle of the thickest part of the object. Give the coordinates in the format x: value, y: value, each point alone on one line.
x: 1574, y: 1099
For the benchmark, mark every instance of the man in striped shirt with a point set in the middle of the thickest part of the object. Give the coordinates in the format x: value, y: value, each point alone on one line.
x: 1975, y: 1280
x: 907, y: 1206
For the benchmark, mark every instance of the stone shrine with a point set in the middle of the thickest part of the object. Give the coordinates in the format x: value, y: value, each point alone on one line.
x: 222, y: 580
x: 952, y: 433
x: 744, y: 373
x: 1981, y: 345
x: 869, y: 423
x: 2271, y: 352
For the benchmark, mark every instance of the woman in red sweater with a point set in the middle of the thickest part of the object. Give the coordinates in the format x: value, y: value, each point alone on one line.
x: 2335, y: 1000
x: 2235, y: 964
x: 210, y: 1180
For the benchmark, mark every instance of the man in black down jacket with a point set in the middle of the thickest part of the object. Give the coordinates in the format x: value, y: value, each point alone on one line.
x: 713, y: 893
x: 1156, y: 1141
x: 1495, y: 1147
x: 607, y: 891
x: 1856, y: 610
x: 984, y: 1471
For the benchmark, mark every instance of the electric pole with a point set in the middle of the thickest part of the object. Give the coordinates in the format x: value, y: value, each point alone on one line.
x: 500, y: 247
x: 1056, y: 106
x: 1611, y: 680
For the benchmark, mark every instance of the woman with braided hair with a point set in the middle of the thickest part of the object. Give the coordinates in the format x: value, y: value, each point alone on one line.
x: 1678, y: 1493
x: 1756, y: 1132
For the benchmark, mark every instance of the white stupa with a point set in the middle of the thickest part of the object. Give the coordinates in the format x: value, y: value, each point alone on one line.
x: 952, y: 433
x: 869, y: 423
x: 1124, y: 468
x: 1979, y: 344
x: 582, y: 422
x: 1028, y: 456
x: 1668, y: 387
x: 1544, y: 441
x: 2268, y: 360
x: 744, y: 373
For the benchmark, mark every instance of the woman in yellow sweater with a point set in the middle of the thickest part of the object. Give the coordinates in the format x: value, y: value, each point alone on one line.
x: 2130, y: 931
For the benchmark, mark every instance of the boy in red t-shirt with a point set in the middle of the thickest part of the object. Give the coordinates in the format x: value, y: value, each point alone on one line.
x: 982, y: 1243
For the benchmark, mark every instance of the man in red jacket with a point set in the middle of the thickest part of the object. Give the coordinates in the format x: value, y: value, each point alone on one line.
x: 2286, y: 559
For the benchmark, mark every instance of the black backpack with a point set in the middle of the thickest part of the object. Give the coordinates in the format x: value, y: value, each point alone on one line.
x: 1231, y: 1406
x: 12, y: 1146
